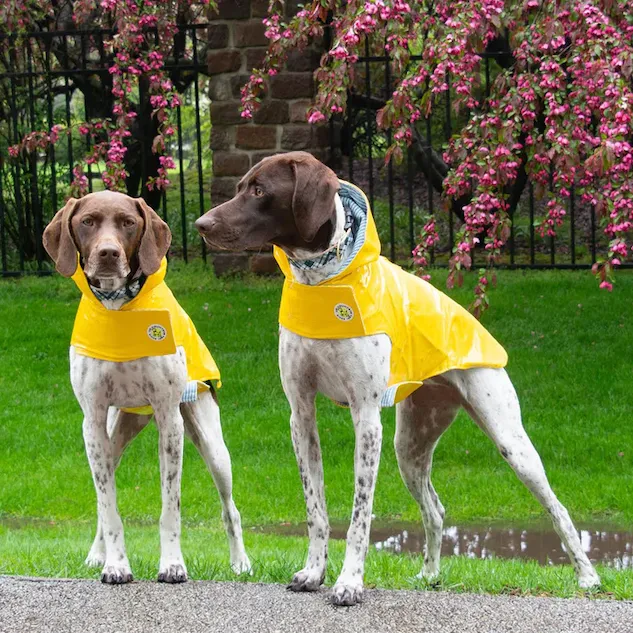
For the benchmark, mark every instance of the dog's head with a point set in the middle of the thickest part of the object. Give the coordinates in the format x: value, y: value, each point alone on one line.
x: 113, y: 233
x: 287, y: 200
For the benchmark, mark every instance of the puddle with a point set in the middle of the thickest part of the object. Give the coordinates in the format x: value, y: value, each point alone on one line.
x: 608, y: 547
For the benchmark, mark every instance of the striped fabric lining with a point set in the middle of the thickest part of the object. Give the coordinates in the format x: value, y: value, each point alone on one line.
x: 190, y: 394
x: 355, y: 220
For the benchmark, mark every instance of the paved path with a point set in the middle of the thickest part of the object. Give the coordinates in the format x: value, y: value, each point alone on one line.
x: 65, y: 606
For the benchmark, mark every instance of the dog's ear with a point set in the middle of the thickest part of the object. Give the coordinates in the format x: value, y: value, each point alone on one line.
x: 313, y: 198
x: 58, y: 240
x: 155, y: 240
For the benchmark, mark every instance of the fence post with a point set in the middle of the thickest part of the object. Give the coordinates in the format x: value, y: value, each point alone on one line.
x: 238, y: 44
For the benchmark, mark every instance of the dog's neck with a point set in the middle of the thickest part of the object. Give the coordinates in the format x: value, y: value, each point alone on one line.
x: 315, y: 275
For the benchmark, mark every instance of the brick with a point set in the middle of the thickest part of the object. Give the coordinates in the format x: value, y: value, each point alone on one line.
x: 321, y: 135
x: 234, y: 9
x: 291, y: 85
x: 226, y: 113
x: 237, y: 81
x: 255, y: 57
x: 302, y: 61
x: 230, y: 163
x: 264, y: 264
x: 218, y: 35
x: 258, y: 156
x: 259, y: 8
x: 222, y: 137
x: 297, y: 137
x: 272, y: 111
x: 299, y: 110
x: 222, y: 189
x: 225, y: 61
x: 249, y: 33
x: 256, y: 137
x: 226, y: 263
x: 220, y: 88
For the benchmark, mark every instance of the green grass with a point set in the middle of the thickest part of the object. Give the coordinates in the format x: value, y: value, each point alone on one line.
x: 569, y: 347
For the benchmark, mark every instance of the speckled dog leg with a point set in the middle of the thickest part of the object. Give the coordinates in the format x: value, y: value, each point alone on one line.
x: 122, y: 429
x: 492, y: 402
x: 170, y: 445
x: 202, y: 422
x: 348, y: 589
x: 305, y: 439
x: 116, y: 569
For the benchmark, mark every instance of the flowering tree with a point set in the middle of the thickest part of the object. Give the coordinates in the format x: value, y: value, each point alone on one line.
x: 128, y: 124
x: 558, y: 113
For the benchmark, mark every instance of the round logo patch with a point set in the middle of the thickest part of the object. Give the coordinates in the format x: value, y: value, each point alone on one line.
x: 343, y: 312
x: 156, y: 332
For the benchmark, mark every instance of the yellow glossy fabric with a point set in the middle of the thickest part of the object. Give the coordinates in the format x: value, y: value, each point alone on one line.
x: 430, y: 333
x: 151, y: 324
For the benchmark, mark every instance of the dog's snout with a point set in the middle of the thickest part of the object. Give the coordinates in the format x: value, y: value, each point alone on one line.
x: 109, y: 252
x: 205, y: 224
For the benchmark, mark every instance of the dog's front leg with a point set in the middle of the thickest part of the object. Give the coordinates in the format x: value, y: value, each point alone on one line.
x: 122, y: 429
x: 116, y: 569
x: 170, y: 446
x: 305, y: 439
x: 348, y: 589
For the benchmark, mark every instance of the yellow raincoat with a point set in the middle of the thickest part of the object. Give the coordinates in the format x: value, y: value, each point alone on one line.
x: 429, y: 332
x: 151, y: 324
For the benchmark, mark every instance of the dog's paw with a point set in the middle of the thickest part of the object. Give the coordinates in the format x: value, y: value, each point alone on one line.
x: 173, y: 574
x: 241, y: 566
x: 95, y: 558
x: 346, y: 595
x: 116, y: 575
x: 589, y: 581
x: 307, y: 580
x: 431, y: 576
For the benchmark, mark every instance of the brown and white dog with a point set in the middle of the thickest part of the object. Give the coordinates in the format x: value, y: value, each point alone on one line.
x: 291, y: 200
x: 119, y: 237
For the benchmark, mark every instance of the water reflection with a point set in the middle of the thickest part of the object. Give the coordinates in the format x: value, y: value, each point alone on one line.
x: 538, y: 543
x: 606, y: 547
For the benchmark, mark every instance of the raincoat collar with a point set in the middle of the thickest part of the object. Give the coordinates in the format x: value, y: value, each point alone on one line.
x: 366, y: 242
x: 151, y: 282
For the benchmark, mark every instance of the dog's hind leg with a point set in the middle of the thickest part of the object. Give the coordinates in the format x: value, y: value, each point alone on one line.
x: 123, y: 427
x: 202, y: 425
x: 491, y: 400
x: 420, y: 421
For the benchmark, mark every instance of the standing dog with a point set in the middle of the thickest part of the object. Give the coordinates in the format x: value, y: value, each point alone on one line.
x: 342, y: 334
x: 134, y: 346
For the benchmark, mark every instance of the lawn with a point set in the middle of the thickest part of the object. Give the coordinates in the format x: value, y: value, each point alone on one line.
x: 569, y: 348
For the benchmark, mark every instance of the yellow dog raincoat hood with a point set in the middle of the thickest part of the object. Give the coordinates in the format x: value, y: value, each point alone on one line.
x: 151, y: 324
x: 429, y: 332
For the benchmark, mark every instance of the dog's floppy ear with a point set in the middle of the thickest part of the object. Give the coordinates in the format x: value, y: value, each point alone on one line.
x: 155, y: 240
x: 58, y: 240
x: 313, y: 198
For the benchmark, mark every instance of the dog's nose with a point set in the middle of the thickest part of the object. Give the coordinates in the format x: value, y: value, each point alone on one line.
x: 109, y: 252
x: 205, y: 224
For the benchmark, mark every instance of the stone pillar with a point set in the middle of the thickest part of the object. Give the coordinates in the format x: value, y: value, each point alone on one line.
x: 238, y: 44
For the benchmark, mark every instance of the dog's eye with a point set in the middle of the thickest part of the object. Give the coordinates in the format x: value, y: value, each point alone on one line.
x: 259, y: 192
x: 128, y: 222
x: 88, y: 221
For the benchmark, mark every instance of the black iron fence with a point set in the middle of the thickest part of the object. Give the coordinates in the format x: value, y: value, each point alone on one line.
x: 62, y: 77
x: 403, y: 195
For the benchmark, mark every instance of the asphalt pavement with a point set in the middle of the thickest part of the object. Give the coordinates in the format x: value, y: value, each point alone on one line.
x: 29, y: 605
